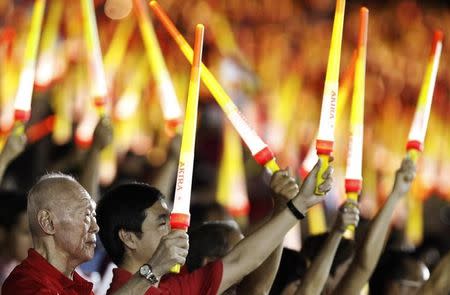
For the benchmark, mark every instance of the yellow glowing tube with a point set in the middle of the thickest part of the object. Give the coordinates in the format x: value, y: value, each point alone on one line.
x: 316, y: 217
x: 325, y: 136
x: 94, y: 55
x: 62, y: 105
x: 129, y: 100
x: 419, y: 126
x: 114, y: 55
x: 231, y: 187
x: 260, y: 151
x: 344, y: 93
x: 416, y: 137
x: 353, y: 176
x: 179, y: 218
x: 224, y: 34
x: 45, y: 71
x: 22, y: 104
x: 168, y: 99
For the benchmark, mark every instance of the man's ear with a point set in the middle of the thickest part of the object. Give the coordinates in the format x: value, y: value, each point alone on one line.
x: 128, y: 238
x: 46, y: 222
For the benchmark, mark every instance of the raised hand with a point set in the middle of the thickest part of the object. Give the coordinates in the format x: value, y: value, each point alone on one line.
x: 307, y: 198
x: 103, y: 133
x: 284, y: 185
x: 404, y: 177
x: 348, y: 215
x: 172, y: 249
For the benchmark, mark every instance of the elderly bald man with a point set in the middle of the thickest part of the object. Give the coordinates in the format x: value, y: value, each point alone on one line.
x: 63, y: 226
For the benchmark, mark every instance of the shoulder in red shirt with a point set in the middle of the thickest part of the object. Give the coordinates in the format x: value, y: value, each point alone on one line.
x: 205, y: 280
x: 35, y: 276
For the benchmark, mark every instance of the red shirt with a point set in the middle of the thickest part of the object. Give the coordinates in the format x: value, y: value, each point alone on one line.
x: 203, y: 281
x: 35, y: 276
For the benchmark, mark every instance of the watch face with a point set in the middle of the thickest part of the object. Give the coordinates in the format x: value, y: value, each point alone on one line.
x: 144, y: 270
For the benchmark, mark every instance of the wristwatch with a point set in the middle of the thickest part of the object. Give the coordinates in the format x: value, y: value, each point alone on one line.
x: 146, y: 272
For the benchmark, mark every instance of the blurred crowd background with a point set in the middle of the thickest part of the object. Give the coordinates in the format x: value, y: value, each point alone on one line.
x: 271, y: 57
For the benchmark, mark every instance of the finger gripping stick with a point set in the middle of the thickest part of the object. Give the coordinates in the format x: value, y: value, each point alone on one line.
x: 179, y: 221
x: 324, y: 159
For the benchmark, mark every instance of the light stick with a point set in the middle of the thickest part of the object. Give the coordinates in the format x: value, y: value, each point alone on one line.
x: 353, y: 176
x: 22, y: 104
x: 167, y: 96
x: 94, y: 55
x: 325, y: 136
x: 260, y: 151
x: 416, y: 137
x: 316, y: 215
x: 179, y: 218
x: 231, y: 186
x: 418, y: 129
x: 116, y: 51
x: 46, y: 65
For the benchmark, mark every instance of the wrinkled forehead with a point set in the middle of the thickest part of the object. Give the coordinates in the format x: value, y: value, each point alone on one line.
x: 74, y: 194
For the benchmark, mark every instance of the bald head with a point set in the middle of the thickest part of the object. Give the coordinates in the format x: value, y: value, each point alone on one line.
x: 52, y: 193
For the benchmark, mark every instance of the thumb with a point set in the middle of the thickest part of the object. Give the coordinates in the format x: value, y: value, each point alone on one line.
x: 316, y: 169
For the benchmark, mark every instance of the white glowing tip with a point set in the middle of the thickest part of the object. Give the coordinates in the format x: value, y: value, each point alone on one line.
x: 127, y: 105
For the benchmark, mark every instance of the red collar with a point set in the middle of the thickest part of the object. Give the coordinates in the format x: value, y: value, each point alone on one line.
x: 36, y: 261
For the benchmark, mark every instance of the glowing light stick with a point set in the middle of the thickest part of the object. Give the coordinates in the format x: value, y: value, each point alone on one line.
x: 419, y: 126
x: 63, y: 106
x: 231, y: 186
x: 316, y: 216
x: 168, y: 99
x: 353, y: 176
x: 260, y: 151
x: 22, y: 105
x: 45, y: 71
x: 114, y: 55
x: 179, y: 218
x: 416, y: 137
x: 8, y: 83
x: 325, y: 137
x: 129, y: 100
x: 98, y: 87
x: 94, y: 56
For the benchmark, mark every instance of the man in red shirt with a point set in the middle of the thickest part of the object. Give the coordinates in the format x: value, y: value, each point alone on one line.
x: 63, y: 227
x: 136, y: 234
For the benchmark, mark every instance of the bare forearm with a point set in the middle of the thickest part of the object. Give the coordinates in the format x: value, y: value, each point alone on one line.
x: 164, y: 179
x: 368, y: 254
x: 89, y: 178
x: 260, y: 281
x: 250, y: 253
x: 373, y: 244
x: 318, y: 272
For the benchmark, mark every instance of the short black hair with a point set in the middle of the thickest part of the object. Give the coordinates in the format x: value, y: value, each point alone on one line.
x: 123, y: 207
x: 211, y: 239
x: 13, y: 204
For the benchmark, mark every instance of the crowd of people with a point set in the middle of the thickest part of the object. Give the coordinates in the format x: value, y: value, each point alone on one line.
x: 78, y: 219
